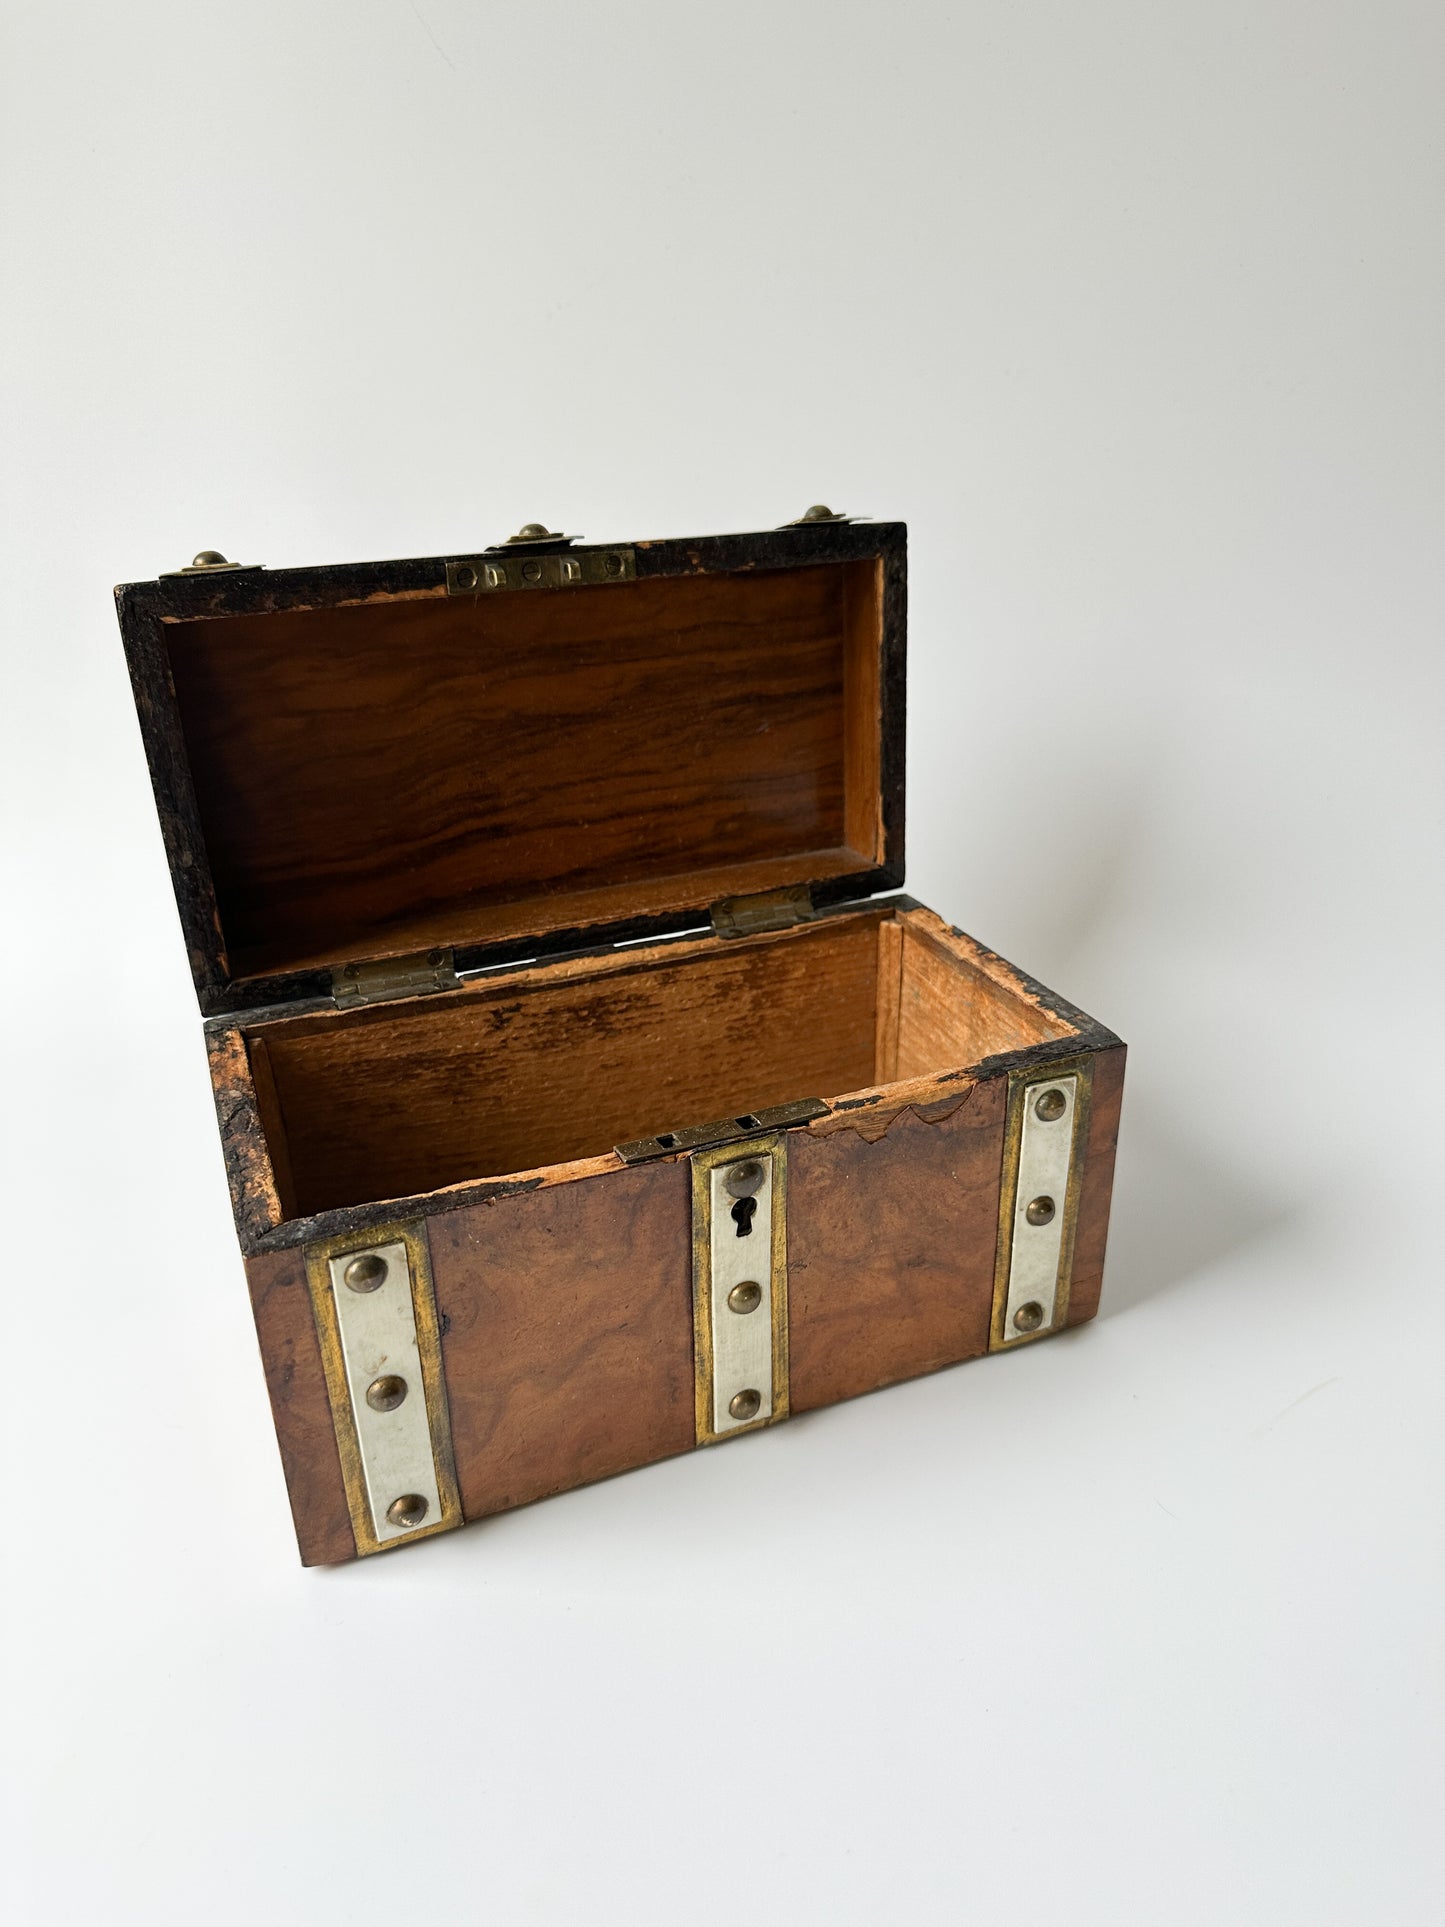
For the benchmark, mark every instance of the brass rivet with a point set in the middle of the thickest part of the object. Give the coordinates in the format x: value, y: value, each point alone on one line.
x: 745, y: 1180
x: 1029, y: 1317
x: 365, y: 1273
x: 208, y: 559
x: 746, y: 1296
x: 1040, y: 1210
x: 385, y: 1394
x: 1051, y: 1105
x: 407, y: 1511
x: 745, y: 1405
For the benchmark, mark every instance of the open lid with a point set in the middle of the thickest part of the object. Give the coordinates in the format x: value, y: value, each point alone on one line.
x: 534, y: 749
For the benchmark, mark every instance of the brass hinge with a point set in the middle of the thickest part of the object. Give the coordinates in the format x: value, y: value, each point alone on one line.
x: 769, y: 910
x: 393, y: 977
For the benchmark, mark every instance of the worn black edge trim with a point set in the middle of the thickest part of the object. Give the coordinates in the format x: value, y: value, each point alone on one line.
x: 273, y: 591
x: 343, y: 1219
x: 159, y: 716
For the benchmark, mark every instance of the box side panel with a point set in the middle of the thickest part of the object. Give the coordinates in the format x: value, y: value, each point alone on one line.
x: 566, y: 1319
x: 281, y: 1303
x: 891, y: 1245
x: 1096, y: 1186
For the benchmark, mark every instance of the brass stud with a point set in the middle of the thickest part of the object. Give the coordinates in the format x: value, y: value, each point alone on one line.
x: 819, y: 512
x: 745, y: 1405
x: 1029, y: 1317
x: 385, y: 1394
x: 365, y: 1273
x: 745, y: 1180
x: 1051, y: 1105
x: 746, y: 1296
x: 209, y: 559
x: 1040, y: 1210
x: 532, y: 532
x: 407, y: 1511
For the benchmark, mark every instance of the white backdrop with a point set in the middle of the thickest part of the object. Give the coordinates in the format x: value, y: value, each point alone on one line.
x: 1134, y: 313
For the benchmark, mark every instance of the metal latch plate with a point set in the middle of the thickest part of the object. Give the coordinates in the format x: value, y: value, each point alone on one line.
x: 740, y: 1292
x: 1039, y: 1201
x: 723, y: 1130
x: 380, y: 1345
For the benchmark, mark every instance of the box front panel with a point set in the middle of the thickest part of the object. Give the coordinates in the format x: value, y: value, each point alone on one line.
x: 891, y: 1245
x: 566, y: 1321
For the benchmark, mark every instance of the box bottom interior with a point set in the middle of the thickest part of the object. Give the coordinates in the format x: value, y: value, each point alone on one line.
x: 545, y: 1066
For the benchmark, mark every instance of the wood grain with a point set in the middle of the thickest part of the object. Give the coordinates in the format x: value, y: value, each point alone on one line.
x: 296, y: 1382
x: 891, y: 1245
x: 507, y: 1077
x: 566, y: 1333
x: 1091, y: 1230
x: 363, y: 769
x: 954, y: 1012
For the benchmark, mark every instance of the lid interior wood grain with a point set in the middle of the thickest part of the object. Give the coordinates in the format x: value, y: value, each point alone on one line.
x: 413, y: 769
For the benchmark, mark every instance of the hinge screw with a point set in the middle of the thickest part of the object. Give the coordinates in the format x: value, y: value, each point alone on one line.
x: 745, y: 1405
x: 1040, y: 1210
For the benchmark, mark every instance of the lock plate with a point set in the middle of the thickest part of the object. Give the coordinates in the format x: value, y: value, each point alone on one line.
x: 740, y: 1289
x: 1039, y: 1201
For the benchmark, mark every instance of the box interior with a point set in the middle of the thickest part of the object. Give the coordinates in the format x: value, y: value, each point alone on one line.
x: 522, y: 1070
x: 416, y: 770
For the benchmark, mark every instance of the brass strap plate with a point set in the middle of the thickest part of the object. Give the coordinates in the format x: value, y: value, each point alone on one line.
x: 1039, y: 1201
x: 576, y: 569
x: 381, y: 1351
x: 740, y: 1287
x: 723, y: 1130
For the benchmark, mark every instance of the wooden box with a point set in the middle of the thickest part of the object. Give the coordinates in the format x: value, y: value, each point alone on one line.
x: 582, y: 1097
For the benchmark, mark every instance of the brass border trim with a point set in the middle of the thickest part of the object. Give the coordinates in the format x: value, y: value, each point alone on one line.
x: 703, y: 1165
x: 1020, y: 1083
x: 412, y: 1234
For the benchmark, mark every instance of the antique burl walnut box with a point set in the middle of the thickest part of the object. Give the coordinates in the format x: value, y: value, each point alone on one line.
x: 584, y: 1098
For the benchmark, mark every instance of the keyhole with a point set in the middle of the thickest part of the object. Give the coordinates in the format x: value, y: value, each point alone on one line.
x: 743, y: 1216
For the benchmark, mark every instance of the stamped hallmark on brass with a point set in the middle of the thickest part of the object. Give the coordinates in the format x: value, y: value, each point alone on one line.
x: 381, y: 1351
x: 740, y: 1288
x: 1048, y: 1114
x: 558, y: 569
